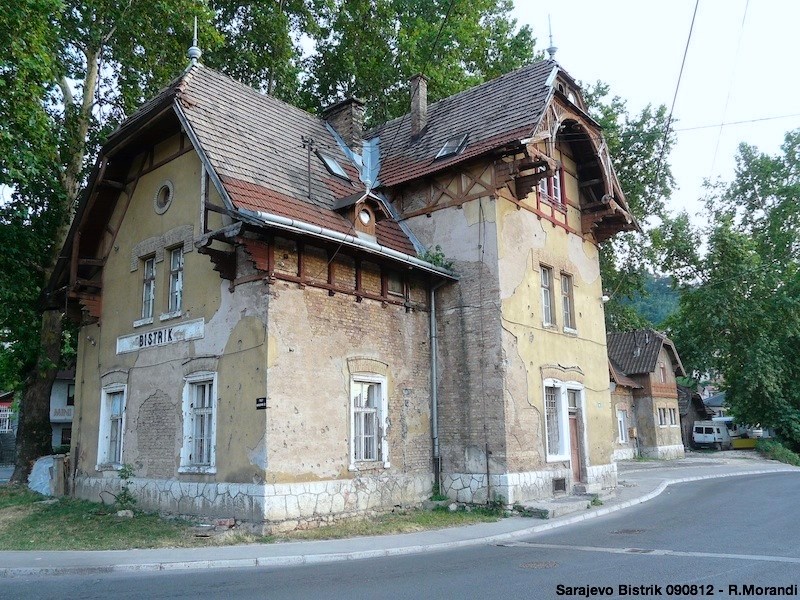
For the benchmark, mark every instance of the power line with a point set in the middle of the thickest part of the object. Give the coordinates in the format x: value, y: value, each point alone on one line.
x: 730, y: 86
x: 675, y: 96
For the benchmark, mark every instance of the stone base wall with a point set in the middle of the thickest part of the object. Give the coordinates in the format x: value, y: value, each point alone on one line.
x: 623, y: 454
x: 663, y: 452
x: 519, y: 487
x: 268, y: 507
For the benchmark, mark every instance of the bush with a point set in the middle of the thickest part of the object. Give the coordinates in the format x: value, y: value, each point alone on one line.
x: 777, y: 451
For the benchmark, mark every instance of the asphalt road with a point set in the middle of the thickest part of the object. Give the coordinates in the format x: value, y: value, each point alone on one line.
x: 713, y: 535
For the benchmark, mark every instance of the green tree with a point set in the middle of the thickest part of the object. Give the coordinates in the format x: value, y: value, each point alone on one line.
x: 70, y: 73
x: 370, y: 48
x: 739, y: 314
x: 640, y: 154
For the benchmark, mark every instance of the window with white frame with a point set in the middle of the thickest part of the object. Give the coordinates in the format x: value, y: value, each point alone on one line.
x: 368, y: 407
x: 198, y: 451
x: 148, y: 287
x: 550, y: 187
x: 547, y: 295
x: 622, y: 426
x: 662, y: 416
x: 568, y: 302
x: 176, y: 279
x: 559, y: 399
x: 673, y: 416
x: 112, y: 427
x: 5, y: 419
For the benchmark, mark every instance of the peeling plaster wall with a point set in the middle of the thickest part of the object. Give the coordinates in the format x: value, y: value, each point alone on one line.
x: 233, y: 345
x: 622, y: 399
x: 532, y: 351
x: 470, y: 366
x: 655, y: 440
x: 316, y: 341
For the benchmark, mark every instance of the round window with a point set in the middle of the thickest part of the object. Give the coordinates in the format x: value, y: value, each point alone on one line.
x: 163, y: 197
x: 364, y: 216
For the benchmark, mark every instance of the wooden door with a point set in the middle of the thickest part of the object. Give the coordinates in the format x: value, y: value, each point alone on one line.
x: 574, y: 445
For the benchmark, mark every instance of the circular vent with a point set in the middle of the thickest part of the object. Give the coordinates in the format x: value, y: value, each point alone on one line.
x: 163, y: 197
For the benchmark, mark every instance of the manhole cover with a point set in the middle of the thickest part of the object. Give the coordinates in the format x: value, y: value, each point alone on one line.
x: 545, y: 564
x: 628, y: 531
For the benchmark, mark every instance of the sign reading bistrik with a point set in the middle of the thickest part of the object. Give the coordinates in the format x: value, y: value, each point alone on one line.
x: 180, y: 332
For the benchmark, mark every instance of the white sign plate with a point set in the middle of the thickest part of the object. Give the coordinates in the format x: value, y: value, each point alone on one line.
x: 179, y: 332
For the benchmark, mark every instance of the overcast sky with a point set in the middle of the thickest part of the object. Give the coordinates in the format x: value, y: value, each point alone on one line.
x: 741, y: 65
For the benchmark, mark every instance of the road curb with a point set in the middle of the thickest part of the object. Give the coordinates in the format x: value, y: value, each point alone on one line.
x: 311, y: 559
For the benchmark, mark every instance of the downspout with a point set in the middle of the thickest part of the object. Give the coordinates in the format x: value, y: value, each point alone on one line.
x: 437, y: 458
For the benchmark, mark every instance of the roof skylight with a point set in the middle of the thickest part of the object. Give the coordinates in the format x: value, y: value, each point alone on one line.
x: 453, y: 145
x: 333, y: 166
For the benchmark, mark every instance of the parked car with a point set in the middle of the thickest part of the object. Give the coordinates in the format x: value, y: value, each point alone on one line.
x: 711, y: 434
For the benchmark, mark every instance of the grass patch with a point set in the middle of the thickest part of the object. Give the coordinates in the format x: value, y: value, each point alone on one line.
x: 777, y: 451
x: 400, y: 522
x: 28, y: 523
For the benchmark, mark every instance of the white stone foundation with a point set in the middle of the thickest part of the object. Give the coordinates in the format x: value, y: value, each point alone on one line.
x: 270, y: 506
x: 623, y: 454
x: 663, y: 452
x: 513, y: 488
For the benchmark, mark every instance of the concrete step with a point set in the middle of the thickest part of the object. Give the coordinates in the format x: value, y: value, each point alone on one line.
x: 558, y: 507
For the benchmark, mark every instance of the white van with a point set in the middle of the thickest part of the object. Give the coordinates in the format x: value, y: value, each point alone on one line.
x: 734, y: 429
x: 711, y: 434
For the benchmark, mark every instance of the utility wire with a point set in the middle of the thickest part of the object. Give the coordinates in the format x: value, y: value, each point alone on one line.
x: 730, y: 87
x: 675, y: 96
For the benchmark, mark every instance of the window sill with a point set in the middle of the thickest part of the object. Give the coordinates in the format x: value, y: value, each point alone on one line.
x: 558, y: 458
x: 141, y: 322
x: 550, y: 326
x: 198, y: 469
x: 370, y: 465
x: 170, y: 315
x: 571, y: 331
x: 108, y: 467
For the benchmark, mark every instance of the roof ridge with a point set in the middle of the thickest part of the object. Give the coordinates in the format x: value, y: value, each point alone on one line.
x: 468, y: 90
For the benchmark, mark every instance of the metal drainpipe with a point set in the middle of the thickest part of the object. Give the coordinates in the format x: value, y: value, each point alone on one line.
x: 437, y: 459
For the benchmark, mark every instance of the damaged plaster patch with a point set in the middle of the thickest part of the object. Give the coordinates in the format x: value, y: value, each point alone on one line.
x: 233, y: 308
x: 585, y: 258
x: 458, y: 232
x: 521, y: 231
x: 258, y: 455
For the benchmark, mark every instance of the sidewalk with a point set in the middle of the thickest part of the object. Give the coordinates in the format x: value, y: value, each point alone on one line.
x: 638, y: 482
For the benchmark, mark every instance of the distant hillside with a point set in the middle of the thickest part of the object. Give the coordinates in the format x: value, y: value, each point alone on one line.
x: 661, y: 300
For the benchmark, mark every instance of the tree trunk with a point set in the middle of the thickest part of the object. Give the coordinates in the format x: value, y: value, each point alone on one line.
x: 34, y: 432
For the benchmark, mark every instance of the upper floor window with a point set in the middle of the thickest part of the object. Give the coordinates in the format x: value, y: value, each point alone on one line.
x: 547, y: 295
x: 567, y: 302
x: 551, y: 187
x: 662, y: 416
x: 5, y: 419
x: 149, y: 287
x: 176, y: 280
x: 662, y: 372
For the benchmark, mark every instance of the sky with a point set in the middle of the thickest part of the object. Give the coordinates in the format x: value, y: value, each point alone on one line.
x: 740, y: 66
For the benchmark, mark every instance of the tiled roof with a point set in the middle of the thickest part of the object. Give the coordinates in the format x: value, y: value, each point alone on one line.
x: 255, y: 144
x: 687, y: 397
x: 499, y: 111
x: 637, y: 351
x: 618, y: 377
x: 715, y: 401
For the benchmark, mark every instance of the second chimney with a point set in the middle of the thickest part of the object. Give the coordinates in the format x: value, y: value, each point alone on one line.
x: 419, y: 103
x: 347, y: 118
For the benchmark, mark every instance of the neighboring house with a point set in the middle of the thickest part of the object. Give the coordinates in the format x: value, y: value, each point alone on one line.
x: 691, y: 408
x: 649, y: 358
x: 623, y: 410
x: 267, y: 330
x: 716, y: 405
x: 7, y: 433
x: 62, y: 407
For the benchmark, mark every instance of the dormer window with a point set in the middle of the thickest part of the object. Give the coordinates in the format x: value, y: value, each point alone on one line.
x: 453, y: 146
x: 333, y: 166
x: 365, y: 216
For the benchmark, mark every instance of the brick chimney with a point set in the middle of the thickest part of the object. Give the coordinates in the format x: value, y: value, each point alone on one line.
x: 347, y: 118
x: 419, y: 103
